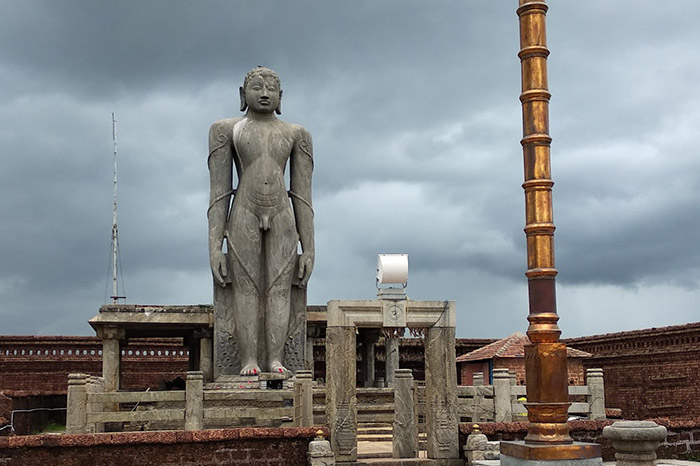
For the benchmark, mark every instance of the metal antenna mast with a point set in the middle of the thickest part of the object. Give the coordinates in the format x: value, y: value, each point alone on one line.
x: 115, y: 231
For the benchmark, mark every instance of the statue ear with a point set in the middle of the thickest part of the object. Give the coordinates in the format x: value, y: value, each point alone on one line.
x: 278, y: 110
x: 244, y: 104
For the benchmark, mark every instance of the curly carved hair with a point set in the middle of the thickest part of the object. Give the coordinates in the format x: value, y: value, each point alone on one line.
x: 261, y: 71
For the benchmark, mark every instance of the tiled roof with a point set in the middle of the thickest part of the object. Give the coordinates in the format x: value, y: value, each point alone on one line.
x: 510, y: 347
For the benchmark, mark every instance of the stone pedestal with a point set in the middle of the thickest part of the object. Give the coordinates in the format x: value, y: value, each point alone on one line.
x: 341, y: 400
x: 635, y: 442
x: 572, y: 454
x: 441, y: 393
x: 405, y: 433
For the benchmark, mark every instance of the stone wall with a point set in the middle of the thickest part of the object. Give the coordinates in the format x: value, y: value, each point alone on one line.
x: 251, y: 446
x: 648, y: 373
x: 683, y: 435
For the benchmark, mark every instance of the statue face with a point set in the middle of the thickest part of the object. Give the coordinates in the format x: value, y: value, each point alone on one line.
x: 262, y: 94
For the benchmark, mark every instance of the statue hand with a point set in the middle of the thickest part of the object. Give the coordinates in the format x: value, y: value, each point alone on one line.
x: 306, y: 265
x: 219, y: 268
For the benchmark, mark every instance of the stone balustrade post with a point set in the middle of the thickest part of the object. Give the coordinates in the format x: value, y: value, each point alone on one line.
x: 635, y: 442
x: 405, y: 434
x: 320, y: 451
x: 475, y: 448
x: 94, y: 385
x: 303, y: 399
x: 478, y: 400
x: 596, y: 393
x: 76, y: 416
x: 501, y: 396
x: 194, y: 401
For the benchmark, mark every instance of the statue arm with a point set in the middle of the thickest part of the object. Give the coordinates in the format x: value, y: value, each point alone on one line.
x: 221, y: 188
x: 301, y: 166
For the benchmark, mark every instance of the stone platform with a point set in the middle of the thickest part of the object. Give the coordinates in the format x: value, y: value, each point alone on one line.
x: 266, y: 380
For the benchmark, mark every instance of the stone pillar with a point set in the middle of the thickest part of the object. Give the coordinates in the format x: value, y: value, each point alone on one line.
x: 320, y: 452
x: 391, y: 347
x: 596, y: 393
x: 478, y: 379
x: 501, y: 396
x: 341, y: 401
x: 206, y: 356
x: 368, y: 358
x: 194, y: 401
x: 635, y: 442
x: 441, y: 393
x: 405, y: 441
x: 111, y: 356
x: 303, y: 399
x: 309, y: 354
x: 76, y: 416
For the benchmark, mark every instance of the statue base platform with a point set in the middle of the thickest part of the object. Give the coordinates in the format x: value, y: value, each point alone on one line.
x: 573, y: 454
x: 265, y: 380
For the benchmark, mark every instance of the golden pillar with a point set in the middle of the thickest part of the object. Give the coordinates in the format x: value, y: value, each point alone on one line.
x: 545, y: 357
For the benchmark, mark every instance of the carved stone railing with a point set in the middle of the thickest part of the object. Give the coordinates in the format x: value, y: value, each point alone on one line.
x: 500, y: 402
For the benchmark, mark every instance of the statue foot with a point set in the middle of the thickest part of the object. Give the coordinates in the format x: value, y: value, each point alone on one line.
x: 277, y: 368
x: 251, y: 369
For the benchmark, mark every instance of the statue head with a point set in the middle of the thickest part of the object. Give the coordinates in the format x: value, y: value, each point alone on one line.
x: 261, y: 91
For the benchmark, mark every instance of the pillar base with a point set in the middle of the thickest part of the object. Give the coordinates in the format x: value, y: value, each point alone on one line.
x: 573, y: 454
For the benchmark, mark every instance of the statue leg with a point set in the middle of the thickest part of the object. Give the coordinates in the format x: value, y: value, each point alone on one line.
x: 245, y: 241
x: 281, y: 253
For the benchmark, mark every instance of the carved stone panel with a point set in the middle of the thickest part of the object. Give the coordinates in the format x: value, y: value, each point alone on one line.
x: 341, y: 401
x: 441, y: 393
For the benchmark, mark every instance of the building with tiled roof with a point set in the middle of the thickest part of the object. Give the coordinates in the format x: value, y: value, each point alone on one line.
x: 509, y: 353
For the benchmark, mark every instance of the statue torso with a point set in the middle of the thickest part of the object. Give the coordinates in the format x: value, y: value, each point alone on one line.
x: 262, y: 148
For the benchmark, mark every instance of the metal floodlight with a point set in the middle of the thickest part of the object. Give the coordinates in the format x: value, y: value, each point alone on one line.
x: 392, y: 269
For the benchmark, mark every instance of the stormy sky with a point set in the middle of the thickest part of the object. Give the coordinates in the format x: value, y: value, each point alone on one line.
x: 414, y: 111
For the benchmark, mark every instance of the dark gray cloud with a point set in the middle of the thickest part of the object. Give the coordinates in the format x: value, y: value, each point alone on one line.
x: 414, y: 111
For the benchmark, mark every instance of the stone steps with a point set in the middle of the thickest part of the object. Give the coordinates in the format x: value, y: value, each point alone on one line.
x: 374, y: 432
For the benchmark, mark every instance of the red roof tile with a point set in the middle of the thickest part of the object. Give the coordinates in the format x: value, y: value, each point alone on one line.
x: 510, y: 347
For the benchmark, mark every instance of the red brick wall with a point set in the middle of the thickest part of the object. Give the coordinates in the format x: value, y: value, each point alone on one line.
x: 467, y: 370
x: 648, y: 373
x: 39, y: 365
x: 252, y: 446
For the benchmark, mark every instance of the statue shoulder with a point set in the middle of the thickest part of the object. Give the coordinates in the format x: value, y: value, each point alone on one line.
x: 300, y: 133
x: 224, y: 126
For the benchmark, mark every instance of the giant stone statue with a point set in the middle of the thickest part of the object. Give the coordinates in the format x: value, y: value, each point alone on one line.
x: 255, y: 232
